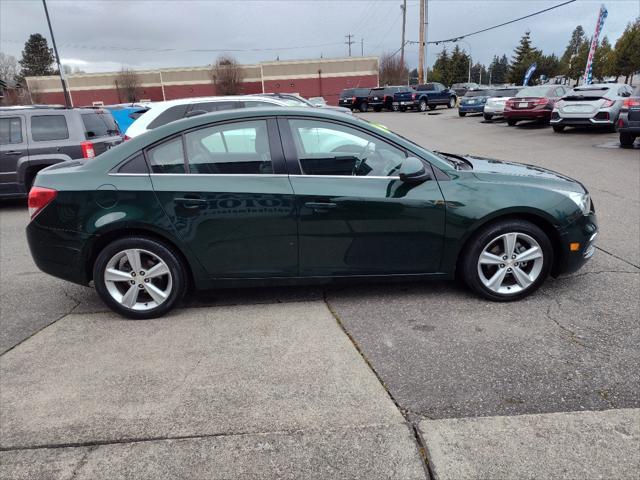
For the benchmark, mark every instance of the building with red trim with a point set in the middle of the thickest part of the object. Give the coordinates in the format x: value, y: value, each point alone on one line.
x: 309, y: 78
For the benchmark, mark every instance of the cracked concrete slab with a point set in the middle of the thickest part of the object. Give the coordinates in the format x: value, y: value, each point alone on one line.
x: 442, y: 352
x: 379, y: 452
x: 570, y: 445
x: 203, y: 371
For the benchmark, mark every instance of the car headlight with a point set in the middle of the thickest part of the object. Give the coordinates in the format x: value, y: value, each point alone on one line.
x: 582, y: 200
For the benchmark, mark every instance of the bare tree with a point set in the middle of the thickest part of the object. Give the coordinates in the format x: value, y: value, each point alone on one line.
x: 128, y: 84
x: 227, y: 76
x: 392, y: 70
x: 8, y: 67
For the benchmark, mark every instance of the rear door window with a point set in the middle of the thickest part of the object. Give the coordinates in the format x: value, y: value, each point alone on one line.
x: 49, y: 127
x: 167, y: 157
x: 169, y: 115
x: 10, y: 130
x: 99, y: 124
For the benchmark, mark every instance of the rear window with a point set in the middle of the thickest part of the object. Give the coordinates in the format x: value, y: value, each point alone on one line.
x: 477, y: 93
x: 348, y: 93
x: 533, y: 92
x: 169, y: 115
x: 362, y: 92
x: 505, y: 93
x: 10, y: 130
x: 49, y: 127
x: 99, y: 124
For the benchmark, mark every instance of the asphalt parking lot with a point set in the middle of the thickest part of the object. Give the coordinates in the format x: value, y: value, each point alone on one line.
x: 358, y: 381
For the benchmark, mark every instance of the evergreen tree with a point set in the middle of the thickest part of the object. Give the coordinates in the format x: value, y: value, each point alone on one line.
x: 498, y: 69
x: 459, y: 66
x: 37, y: 58
x: 602, y: 65
x: 441, y: 66
x: 627, y: 52
x: 524, y: 55
x: 548, y: 65
x: 479, y: 74
x: 577, y: 39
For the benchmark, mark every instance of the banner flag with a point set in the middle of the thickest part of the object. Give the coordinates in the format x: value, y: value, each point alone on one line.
x: 588, y: 71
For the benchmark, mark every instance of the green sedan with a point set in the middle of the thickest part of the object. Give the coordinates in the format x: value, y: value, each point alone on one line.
x: 291, y: 196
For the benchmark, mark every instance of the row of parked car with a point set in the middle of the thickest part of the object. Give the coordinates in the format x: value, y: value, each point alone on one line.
x: 612, y: 106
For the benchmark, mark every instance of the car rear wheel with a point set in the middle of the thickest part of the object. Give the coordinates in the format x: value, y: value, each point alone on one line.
x: 487, y: 117
x: 452, y: 102
x: 462, y: 114
x: 139, y: 277
x: 558, y: 128
x: 507, y: 260
x: 364, y: 106
x: 511, y: 123
x: 627, y: 139
x: 422, y: 105
x: 377, y: 109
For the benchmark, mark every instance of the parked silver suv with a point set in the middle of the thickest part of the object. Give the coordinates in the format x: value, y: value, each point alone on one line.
x: 590, y: 105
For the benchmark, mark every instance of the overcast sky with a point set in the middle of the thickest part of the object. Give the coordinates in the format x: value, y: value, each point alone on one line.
x: 99, y: 35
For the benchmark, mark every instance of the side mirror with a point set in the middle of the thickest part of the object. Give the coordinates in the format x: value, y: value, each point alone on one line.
x: 195, y: 113
x: 413, y: 170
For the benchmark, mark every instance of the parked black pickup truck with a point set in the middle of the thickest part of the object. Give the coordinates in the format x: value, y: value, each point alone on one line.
x: 425, y: 96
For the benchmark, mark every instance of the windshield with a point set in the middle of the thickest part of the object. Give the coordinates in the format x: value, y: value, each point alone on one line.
x: 533, y: 92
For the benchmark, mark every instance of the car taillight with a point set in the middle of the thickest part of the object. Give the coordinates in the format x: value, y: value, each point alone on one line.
x: 126, y: 137
x: 608, y: 103
x: 542, y: 101
x: 40, y: 197
x: 87, y: 150
x: 413, y: 96
x: 632, y: 102
x: 353, y: 99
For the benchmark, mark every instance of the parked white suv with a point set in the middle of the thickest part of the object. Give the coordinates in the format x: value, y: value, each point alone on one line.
x: 161, y: 113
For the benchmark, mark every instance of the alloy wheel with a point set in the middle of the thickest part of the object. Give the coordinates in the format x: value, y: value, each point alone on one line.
x: 510, y: 263
x: 138, y: 279
x: 423, y: 106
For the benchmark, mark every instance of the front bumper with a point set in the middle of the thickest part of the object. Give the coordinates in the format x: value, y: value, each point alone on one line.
x: 584, y: 232
x: 61, y: 253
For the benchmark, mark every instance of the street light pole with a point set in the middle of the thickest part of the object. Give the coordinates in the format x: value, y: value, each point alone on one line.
x: 67, y: 98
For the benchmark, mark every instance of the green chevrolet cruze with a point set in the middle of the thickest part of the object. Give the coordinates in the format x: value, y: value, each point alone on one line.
x: 291, y: 196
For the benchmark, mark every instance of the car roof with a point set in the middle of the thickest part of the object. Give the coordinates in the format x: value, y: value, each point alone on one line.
x: 226, y: 98
x: 49, y: 108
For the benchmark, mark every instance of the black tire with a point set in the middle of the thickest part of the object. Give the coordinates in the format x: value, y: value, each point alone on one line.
x: 511, y: 122
x: 432, y: 107
x: 475, y: 246
x: 627, y: 139
x: 487, y: 117
x: 422, y: 105
x: 452, y: 102
x: 403, y: 109
x: 364, y: 106
x: 558, y: 128
x: 377, y: 109
x: 163, y: 252
x: 462, y: 114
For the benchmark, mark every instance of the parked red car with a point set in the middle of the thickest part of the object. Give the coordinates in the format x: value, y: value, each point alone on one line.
x: 533, y: 103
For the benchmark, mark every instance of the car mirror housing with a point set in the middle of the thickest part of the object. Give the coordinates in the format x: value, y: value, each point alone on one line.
x: 413, y: 170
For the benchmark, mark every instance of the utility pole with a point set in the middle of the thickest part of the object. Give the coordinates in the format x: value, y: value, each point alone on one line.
x: 426, y: 32
x: 404, y: 24
x: 362, y: 47
x: 349, y: 42
x: 67, y: 98
x: 421, y: 43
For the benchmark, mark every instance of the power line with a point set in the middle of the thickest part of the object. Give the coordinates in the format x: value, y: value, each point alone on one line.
x: 453, y: 39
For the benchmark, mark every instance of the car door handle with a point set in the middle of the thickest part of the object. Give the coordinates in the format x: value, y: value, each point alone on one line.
x: 319, y: 206
x: 191, y: 202
x: 13, y: 152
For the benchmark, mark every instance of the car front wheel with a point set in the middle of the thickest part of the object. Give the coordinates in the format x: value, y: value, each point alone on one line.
x: 558, y: 128
x: 462, y: 114
x: 626, y: 140
x: 508, y: 260
x: 422, y: 106
x: 139, y: 277
x: 487, y: 117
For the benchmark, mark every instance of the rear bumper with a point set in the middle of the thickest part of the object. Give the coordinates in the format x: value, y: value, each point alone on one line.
x: 527, y: 114
x: 405, y: 103
x: 583, y: 231
x: 471, y: 108
x: 491, y: 110
x: 60, y: 253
